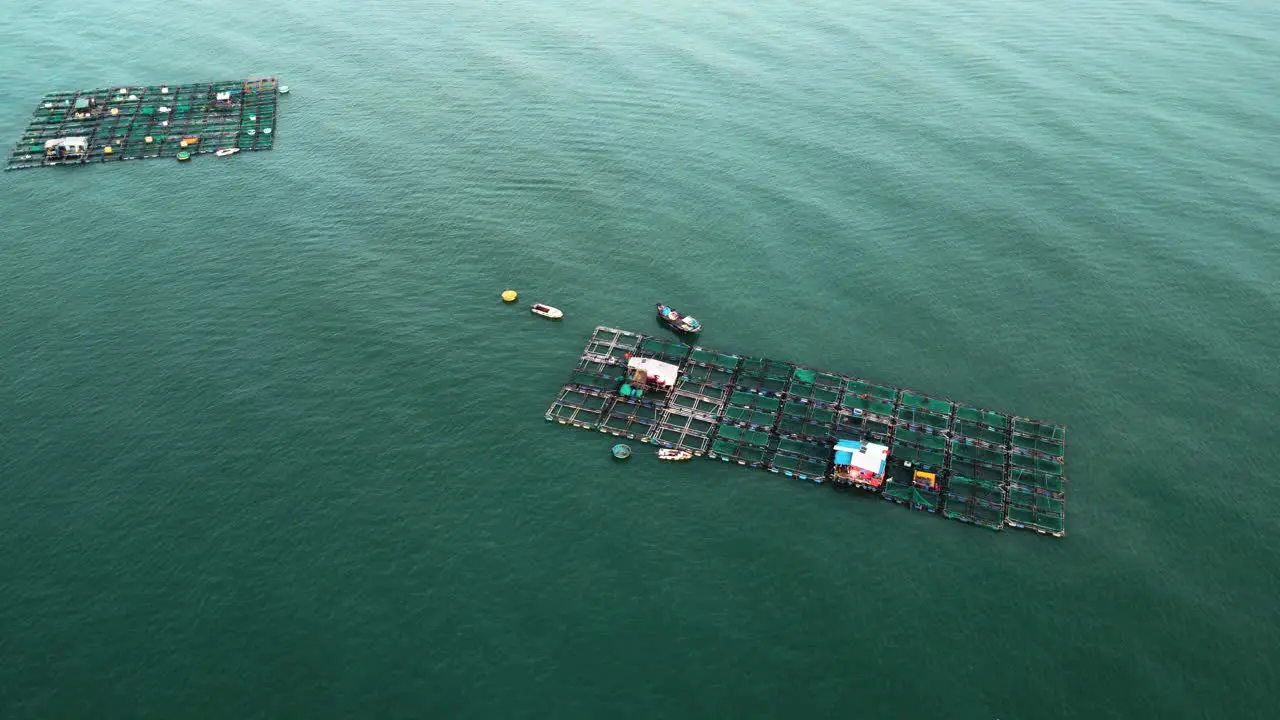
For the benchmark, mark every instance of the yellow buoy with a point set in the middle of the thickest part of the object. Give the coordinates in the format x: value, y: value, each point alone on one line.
x: 106, y: 150
x: 508, y: 296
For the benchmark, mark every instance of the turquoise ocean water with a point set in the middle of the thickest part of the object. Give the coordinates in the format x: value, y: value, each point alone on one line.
x: 270, y: 446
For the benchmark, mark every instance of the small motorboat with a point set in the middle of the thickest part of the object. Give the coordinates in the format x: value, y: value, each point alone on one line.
x: 674, y: 455
x: 677, y: 322
x: 226, y: 152
x: 546, y: 311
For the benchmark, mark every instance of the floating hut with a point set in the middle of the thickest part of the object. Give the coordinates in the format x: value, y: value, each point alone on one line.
x: 67, y: 148
x: 922, y: 451
x: 860, y: 464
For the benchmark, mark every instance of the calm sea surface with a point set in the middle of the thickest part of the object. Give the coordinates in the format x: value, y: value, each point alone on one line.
x: 270, y: 446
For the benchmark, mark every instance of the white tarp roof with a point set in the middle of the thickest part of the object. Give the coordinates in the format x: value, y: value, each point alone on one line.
x: 67, y: 142
x: 871, y: 458
x: 665, y: 372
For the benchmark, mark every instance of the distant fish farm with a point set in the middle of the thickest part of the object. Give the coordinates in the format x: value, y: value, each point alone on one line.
x: 924, y: 452
x: 143, y: 122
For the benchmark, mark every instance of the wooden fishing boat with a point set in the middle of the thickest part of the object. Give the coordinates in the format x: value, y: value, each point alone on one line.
x: 546, y: 311
x: 674, y: 455
x: 677, y: 322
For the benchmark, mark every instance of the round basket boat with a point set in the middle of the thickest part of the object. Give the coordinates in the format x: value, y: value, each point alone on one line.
x: 621, y: 451
x: 509, y: 295
x: 184, y: 156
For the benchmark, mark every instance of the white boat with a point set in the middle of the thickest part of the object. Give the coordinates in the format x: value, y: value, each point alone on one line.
x: 546, y: 311
x: 224, y: 152
x: 676, y: 455
x: 284, y: 89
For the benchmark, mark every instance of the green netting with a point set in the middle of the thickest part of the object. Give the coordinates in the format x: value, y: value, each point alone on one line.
x: 979, y: 415
x: 805, y: 376
x: 929, y: 442
x: 961, y: 449
x: 813, y: 392
x: 1041, y: 504
x: 800, y: 465
x: 713, y: 358
x: 1029, y: 462
x: 917, y: 455
x: 973, y: 511
x: 810, y: 412
x: 916, y: 416
x: 924, y: 402
x: 855, y: 386
x: 968, y: 488
x: 805, y: 448
x: 1038, y: 481
x: 631, y: 417
x: 1031, y: 519
x: 871, y: 405
x: 595, y: 380
x: 1038, y: 444
x: 763, y: 375
x: 981, y: 432
x: 1036, y: 428
x: 744, y: 435
x: 708, y: 375
x: 751, y: 416
x: 756, y: 402
x: 898, y: 492
x: 727, y: 448
x: 671, y: 352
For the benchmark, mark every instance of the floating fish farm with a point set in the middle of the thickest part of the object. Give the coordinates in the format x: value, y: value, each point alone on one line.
x: 921, y: 451
x: 153, y: 121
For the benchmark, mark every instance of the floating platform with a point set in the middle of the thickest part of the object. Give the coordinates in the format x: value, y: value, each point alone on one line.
x: 957, y: 461
x: 143, y: 122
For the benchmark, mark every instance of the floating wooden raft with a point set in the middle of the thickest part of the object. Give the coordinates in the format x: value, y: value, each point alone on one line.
x: 959, y: 461
x: 153, y: 121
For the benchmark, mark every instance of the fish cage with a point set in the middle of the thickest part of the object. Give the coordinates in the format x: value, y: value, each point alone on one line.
x: 1030, y: 510
x: 810, y: 405
x: 632, y: 417
x: 763, y: 376
x: 743, y: 445
x: 711, y: 367
x: 921, y: 411
x: 747, y: 409
x: 693, y: 412
x: 916, y: 488
x: 974, y: 501
x: 806, y: 419
x: 586, y: 400
x: 665, y: 350
x: 801, y: 458
x: 681, y: 428
x: 925, y: 452
x: 148, y: 121
x: 982, y: 427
